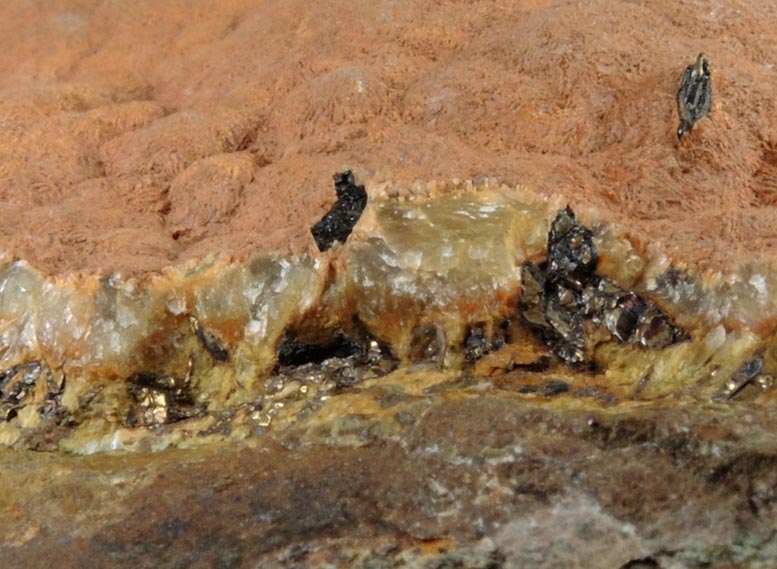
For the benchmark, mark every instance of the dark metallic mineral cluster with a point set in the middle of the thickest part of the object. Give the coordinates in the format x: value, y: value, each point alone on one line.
x: 339, y: 221
x: 564, y: 301
x: 18, y: 386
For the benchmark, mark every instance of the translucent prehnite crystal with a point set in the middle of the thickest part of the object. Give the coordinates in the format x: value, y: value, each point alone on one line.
x: 452, y: 261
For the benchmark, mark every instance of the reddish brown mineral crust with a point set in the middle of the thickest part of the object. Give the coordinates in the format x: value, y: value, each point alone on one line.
x: 139, y: 135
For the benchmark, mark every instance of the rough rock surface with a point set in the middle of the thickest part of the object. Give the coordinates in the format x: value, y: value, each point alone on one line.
x: 475, y: 482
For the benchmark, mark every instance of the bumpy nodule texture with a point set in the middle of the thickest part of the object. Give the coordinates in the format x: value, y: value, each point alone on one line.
x: 136, y: 135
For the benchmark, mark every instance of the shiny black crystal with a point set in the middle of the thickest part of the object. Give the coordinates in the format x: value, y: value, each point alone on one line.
x: 339, y: 221
x: 694, y: 97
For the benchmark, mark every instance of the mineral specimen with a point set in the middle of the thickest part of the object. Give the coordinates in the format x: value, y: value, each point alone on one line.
x: 694, y: 97
x: 561, y: 294
x: 627, y: 316
x: 572, y: 254
x: 339, y: 221
x: 31, y: 385
x: 339, y: 362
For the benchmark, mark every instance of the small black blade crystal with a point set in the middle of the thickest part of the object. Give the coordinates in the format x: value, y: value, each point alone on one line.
x: 339, y: 221
x: 694, y: 98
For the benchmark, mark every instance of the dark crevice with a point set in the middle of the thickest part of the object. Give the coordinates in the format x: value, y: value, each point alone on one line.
x: 294, y: 352
x: 643, y: 563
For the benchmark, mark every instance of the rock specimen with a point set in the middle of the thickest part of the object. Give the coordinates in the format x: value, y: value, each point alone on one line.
x: 142, y: 188
x: 285, y: 357
x: 694, y: 97
x: 338, y: 222
x: 560, y: 295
